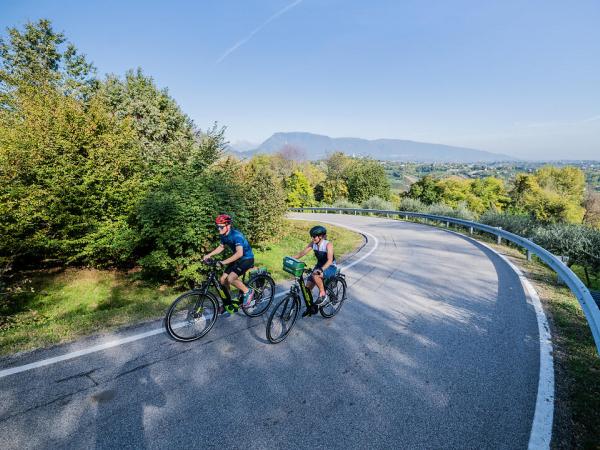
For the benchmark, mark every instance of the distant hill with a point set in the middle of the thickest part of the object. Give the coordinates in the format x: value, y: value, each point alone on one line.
x: 316, y: 146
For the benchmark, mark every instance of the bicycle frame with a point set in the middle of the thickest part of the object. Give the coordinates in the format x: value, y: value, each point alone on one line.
x: 299, y: 289
x: 223, y: 291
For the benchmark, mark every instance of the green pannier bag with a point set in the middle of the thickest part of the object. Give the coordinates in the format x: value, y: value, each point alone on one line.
x: 293, y: 266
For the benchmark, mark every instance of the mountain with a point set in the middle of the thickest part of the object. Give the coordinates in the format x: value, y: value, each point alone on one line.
x: 316, y: 146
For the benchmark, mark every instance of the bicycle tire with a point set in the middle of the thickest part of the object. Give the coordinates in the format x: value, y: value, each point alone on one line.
x: 262, y: 303
x: 287, y: 309
x: 174, y: 322
x: 336, y: 291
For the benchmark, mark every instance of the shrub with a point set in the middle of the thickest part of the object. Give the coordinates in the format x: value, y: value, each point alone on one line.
x: 345, y: 204
x: 377, y: 203
x: 412, y: 204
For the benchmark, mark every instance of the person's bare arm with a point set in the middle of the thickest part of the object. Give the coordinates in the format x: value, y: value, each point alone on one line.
x: 239, y: 252
x: 216, y: 251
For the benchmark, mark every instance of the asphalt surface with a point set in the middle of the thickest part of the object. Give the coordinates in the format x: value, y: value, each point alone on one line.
x: 436, y: 347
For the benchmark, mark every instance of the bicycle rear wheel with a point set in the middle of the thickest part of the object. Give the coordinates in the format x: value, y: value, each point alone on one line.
x: 264, y: 291
x: 336, y: 291
x: 283, y: 318
x: 191, y: 316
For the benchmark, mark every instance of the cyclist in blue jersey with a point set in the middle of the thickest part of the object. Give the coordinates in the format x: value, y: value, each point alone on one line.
x: 238, y: 263
x: 325, y: 267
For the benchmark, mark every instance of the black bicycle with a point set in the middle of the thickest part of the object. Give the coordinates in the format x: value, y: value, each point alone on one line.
x: 283, y: 317
x: 193, y: 314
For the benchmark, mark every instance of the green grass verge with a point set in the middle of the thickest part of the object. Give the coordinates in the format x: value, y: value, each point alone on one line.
x: 60, y: 307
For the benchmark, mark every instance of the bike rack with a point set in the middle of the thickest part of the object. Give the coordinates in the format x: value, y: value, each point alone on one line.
x: 588, y: 305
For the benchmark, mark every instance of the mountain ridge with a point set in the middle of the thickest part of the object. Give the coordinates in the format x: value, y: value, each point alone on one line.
x: 318, y: 146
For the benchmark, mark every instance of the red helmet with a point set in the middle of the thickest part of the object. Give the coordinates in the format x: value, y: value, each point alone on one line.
x: 223, y: 219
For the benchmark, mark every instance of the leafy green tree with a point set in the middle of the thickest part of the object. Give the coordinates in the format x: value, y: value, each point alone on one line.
x: 366, y: 178
x: 550, y: 195
x: 332, y: 190
x: 425, y: 190
x: 265, y: 202
x: 337, y: 165
x: 39, y: 56
x: 491, y: 192
x: 299, y: 191
x: 168, y: 138
x: 69, y: 174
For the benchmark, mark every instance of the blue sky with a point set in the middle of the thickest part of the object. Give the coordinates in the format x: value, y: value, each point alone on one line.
x: 517, y: 77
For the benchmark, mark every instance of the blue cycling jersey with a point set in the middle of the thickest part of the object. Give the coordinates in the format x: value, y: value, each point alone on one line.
x: 235, y: 238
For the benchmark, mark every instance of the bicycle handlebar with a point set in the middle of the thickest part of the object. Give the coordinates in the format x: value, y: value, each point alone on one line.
x: 211, y: 262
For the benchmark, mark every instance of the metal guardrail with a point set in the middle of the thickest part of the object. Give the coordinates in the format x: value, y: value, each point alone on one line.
x: 589, y: 306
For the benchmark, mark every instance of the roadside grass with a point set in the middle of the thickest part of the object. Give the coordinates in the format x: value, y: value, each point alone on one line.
x: 594, y: 284
x: 55, y: 307
x: 296, y: 239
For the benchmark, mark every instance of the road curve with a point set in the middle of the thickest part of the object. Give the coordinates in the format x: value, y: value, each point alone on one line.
x: 437, y: 347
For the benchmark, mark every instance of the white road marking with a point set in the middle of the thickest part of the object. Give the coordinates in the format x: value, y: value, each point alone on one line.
x: 356, y: 230
x: 87, y: 351
x: 541, y: 428
x: 136, y: 337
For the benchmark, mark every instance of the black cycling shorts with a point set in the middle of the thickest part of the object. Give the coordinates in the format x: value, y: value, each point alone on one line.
x: 240, y: 266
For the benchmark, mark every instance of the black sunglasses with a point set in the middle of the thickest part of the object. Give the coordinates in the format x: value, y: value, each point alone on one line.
x: 220, y: 227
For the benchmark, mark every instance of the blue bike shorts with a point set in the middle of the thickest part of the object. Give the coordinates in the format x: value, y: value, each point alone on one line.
x: 328, y: 273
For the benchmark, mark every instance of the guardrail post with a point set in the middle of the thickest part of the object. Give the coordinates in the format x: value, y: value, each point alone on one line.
x: 447, y: 224
x: 470, y: 230
x: 565, y: 260
x: 528, y: 255
x: 499, y: 240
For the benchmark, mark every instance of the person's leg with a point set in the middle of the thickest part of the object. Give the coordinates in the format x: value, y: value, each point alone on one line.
x: 223, y: 280
x: 234, y: 280
x: 240, y: 268
x: 319, y: 282
x: 227, y: 308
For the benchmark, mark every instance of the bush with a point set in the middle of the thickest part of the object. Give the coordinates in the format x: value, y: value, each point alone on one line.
x: 437, y: 209
x: 579, y: 242
x: 377, y: 203
x: 441, y: 209
x: 412, y: 205
x: 345, y: 204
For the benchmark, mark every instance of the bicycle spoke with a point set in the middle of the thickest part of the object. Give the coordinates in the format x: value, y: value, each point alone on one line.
x: 191, y: 316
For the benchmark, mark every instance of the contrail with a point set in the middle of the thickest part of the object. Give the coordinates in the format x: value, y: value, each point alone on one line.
x: 247, y: 38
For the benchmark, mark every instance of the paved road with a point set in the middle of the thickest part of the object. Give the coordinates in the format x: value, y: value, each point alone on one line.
x: 437, y: 347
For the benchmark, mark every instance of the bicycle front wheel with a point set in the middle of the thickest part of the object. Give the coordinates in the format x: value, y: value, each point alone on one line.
x: 264, y: 291
x: 283, y: 318
x: 336, y: 291
x: 191, y: 316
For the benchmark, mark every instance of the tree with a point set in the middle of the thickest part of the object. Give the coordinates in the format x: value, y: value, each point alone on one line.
x: 425, y: 190
x: 491, y: 193
x: 331, y: 191
x: 265, y: 202
x: 299, y: 191
x: 69, y: 174
x: 168, y: 138
x: 39, y: 56
x: 550, y: 195
x: 337, y: 166
x: 366, y: 178
x: 592, y: 209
